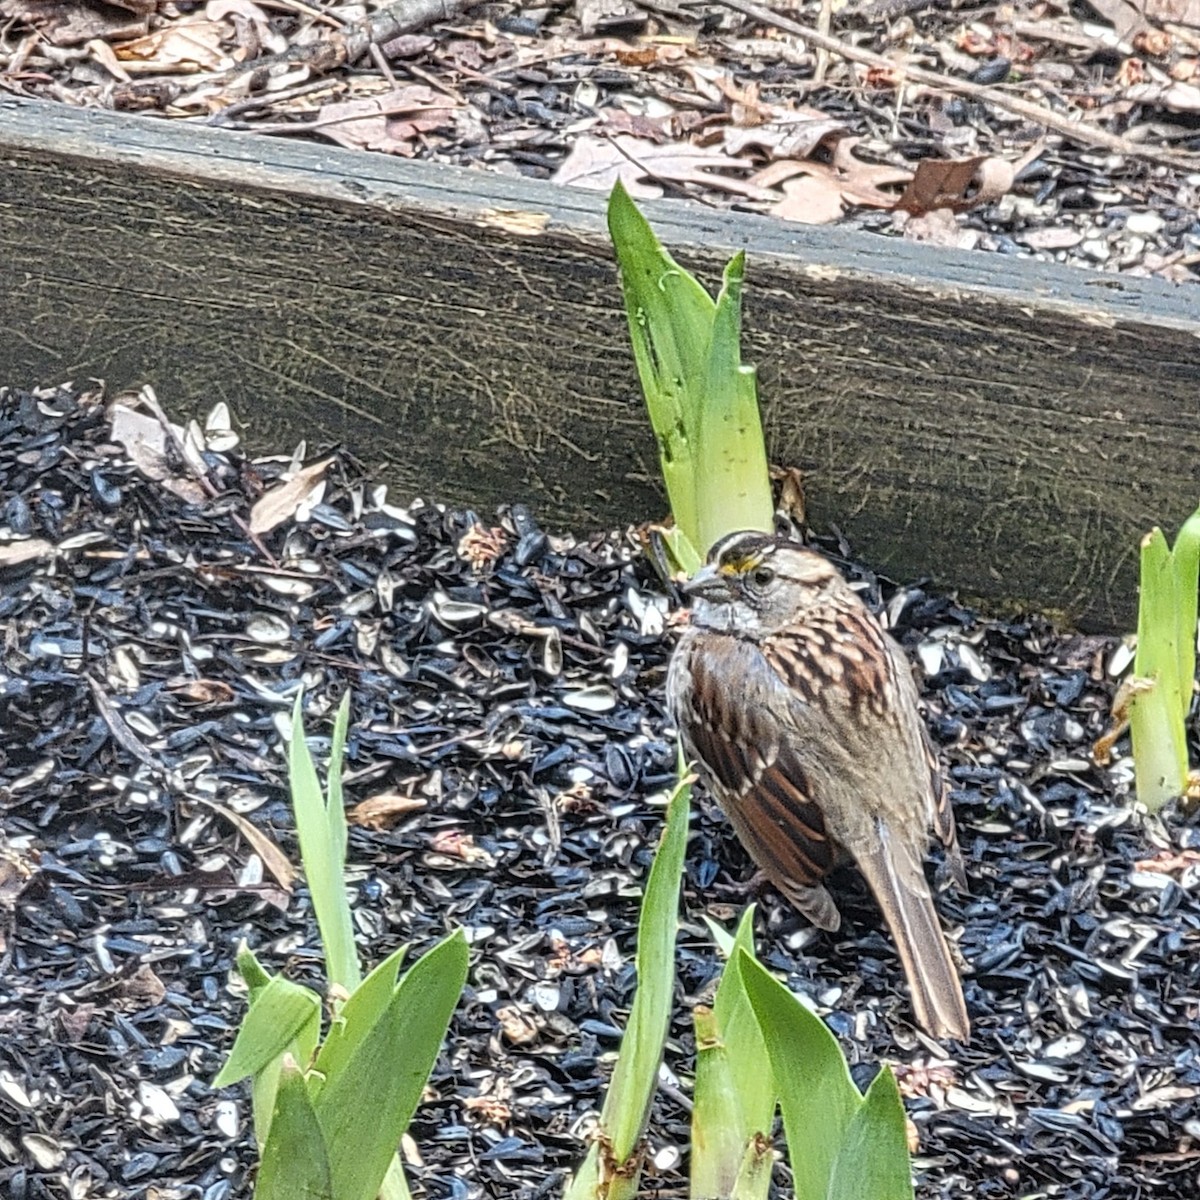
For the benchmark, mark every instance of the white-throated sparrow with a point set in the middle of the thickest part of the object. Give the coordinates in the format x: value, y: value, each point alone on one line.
x: 801, y: 714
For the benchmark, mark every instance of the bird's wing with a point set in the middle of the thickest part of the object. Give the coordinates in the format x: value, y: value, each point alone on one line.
x: 941, y: 814
x: 761, y: 784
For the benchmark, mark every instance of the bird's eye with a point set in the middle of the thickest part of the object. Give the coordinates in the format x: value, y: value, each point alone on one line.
x: 760, y: 577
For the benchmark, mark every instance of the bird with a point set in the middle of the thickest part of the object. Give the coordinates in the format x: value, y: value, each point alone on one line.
x: 800, y: 713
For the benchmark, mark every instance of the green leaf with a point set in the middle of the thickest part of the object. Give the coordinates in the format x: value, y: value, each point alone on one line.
x: 295, y: 1165
x: 1185, y: 562
x: 394, y: 1185
x: 336, y: 808
x: 702, y: 403
x: 734, y: 1096
x: 282, y: 1015
x: 365, y: 1107
x: 322, y: 836
x: 817, y: 1097
x: 357, y: 1017
x: 251, y: 970
x: 753, y: 1080
x: 717, y: 1142
x: 725, y: 940
x: 753, y: 1180
x: 734, y: 490
x: 1165, y: 663
x: 873, y: 1159
x: 627, y: 1104
x: 283, y: 1018
x: 683, y: 557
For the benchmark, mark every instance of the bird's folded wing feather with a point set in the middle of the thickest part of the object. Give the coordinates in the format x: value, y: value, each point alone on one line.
x: 762, y: 784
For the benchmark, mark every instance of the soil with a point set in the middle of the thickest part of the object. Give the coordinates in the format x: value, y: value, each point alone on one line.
x: 506, y: 772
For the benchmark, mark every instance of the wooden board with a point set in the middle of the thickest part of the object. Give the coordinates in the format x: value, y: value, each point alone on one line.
x: 1007, y: 427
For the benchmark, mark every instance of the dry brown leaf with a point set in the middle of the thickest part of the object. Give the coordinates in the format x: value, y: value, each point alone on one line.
x: 847, y: 179
x: 382, y: 811
x: 185, y: 45
x: 649, y: 52
x: 389, y: 122
x: 956, y: 184
x: 201, y: 692
x: 650, y: 129
x: 811, y: 200
x: 596, y: 162
x: 789, y: 134
x: 145, y: 442
x: 72, y: 23
x: 104, y: 54
x: 18, y: 553
x: 274, y: 861
x: 453, y: 843
x: 279, y: 504
x: 142, y: 989
x: 253, y: 30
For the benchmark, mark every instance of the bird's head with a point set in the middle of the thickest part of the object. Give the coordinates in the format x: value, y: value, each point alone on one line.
x: 756, y: 583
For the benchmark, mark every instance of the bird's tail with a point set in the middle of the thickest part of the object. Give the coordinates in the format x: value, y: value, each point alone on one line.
x: 898, y: 882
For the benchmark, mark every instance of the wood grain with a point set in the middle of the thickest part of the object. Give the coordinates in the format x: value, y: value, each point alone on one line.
x: 1010, y: 428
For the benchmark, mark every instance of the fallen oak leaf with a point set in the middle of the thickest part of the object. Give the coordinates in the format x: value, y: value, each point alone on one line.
x: 390, y: 122
x: 185, y: 45
x: 956, y: 184
x: 145, y: 441
x: 789, y: 134
x: 810, y: 200
x: 596, y: 162
x: 849, y: 178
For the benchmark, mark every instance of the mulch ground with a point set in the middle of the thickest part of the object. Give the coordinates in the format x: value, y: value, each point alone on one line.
x: 1057, y: 129
x: 506, y: 770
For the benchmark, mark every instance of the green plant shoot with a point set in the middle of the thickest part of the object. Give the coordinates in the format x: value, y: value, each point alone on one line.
x: 328, y: 1116
x: 613, y: 1165
x: 336, y: 1118
x: 1155, y: 699
x: 734, y: 1098
x: 321, y: 828
x: 703, y: 402
x: 842, y: 1145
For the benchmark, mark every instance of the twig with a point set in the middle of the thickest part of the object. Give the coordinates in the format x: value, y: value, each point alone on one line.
x: 350, y: 43
x: 824, y: 23
x: 264, y: 100
x: 1087, y: 134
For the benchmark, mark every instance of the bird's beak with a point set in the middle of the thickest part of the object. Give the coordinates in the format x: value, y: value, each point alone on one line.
x: 707, y: 583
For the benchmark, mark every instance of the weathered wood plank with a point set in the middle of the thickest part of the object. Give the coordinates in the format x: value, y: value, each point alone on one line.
x: 1007, y: 427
